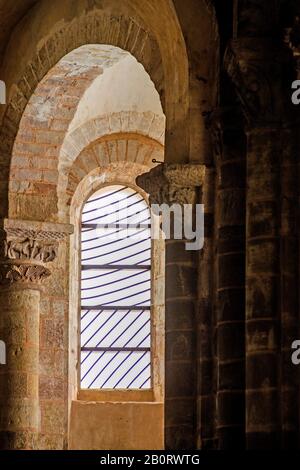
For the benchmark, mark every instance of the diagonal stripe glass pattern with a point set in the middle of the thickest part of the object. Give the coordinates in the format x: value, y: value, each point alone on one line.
x: 116, y: 290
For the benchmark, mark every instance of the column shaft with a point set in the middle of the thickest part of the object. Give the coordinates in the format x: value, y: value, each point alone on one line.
x: 289, y: 282
x: 262, y: 289
x: 26, y: 249
x: 171, y: 184
x: 230, y: 284
x: 180, y: 372
x: 205, y: 325
x: 19, y: 329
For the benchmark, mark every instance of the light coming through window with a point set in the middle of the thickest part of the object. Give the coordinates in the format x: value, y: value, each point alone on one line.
x: 116, y: 290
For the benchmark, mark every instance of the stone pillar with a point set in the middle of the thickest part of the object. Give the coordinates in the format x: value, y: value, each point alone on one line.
x: 205, y: 323
x: 179, y: 184
x: 230, y: 218
x: 262, y: 291
x: 289, y: 287
x: 259, y: 69
x: 27, y: 251
x: 289, y: 261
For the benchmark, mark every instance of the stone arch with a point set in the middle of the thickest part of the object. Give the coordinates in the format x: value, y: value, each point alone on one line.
x: 124, y: 126
x: 103, y: 152
x: 43, y: 136
x: 147, y: 124
x: 131, y: 25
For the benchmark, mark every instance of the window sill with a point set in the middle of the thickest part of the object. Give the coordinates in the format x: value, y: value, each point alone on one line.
x: 116, y: 395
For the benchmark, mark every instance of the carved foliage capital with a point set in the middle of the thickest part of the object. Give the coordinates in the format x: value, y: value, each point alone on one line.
x: 173, y: 183
x: 11, y: 273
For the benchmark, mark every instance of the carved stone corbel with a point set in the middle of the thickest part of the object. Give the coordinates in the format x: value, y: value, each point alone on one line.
x: 171, y: 183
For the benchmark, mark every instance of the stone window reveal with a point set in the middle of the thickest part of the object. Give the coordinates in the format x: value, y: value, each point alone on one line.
x: 116, y: 290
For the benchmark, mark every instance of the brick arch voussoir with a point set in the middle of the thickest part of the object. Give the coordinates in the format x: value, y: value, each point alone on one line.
x: 92, y: 28
x: 127, y: 147
x: 143, y: 123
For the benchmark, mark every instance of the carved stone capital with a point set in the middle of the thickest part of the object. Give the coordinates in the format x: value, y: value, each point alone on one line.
x: 30, y: 249
x: 173, y: 183
x: 12, y: 272
x: 26, y: 248
x: 259, y: 70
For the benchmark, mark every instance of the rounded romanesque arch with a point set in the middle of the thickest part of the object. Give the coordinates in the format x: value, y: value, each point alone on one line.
x: 62, y: 117
x: 133, y: 26
x: 100, y: 141
x: 105, y: 151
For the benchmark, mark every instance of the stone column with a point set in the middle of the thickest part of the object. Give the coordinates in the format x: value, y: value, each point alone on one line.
x: 262, y: 290
x: 259, y: 69
x: 289, y: 287
x: 179, y: 184
x: 289, y: 262
x: 27, y: 251
x: 205, y: 323
x: 230, y: 217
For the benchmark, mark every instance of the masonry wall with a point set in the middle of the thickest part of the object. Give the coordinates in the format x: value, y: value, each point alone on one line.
x: 139, y: 425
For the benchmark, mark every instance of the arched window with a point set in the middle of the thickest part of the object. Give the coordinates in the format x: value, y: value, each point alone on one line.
x: 116, y: 290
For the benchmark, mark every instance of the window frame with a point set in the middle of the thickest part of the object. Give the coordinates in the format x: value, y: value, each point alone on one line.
x: 84, y: 391
x: 115, y: 176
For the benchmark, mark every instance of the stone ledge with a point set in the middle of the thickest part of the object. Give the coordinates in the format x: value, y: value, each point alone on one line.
x: 45, y: 231
x: 116, y: 396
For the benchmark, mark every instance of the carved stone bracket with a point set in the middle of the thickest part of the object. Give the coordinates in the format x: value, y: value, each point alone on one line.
x: 173, y: 183
x: 26, y: 248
